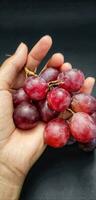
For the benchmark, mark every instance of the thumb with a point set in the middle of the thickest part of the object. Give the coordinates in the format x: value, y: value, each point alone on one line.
x: 12, y: 66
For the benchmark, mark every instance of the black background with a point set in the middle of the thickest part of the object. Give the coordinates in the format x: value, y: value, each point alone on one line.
x: 67, y: 173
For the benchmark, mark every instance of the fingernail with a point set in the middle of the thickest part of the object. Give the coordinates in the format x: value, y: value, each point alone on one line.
x: 68, y: 65
x: 19, y: 48
x: 59, y: 56
x: 92, y: 80
x: 47, y: 38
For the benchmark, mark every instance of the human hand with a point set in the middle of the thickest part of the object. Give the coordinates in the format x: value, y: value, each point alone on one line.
x: 19, y: 149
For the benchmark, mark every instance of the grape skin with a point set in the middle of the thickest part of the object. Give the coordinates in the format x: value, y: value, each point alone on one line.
x: 56, y: 133
x: 82, y: 127
x: 88, y: 147
x: 49, y: 74
x: 71, y: 80
x: 46, y: 112
x: 36, y: 88
x: 94, y: 117
x: 25, y: 116
x: 19, y: 96
x: 59, y: 99
x: 83, y: 103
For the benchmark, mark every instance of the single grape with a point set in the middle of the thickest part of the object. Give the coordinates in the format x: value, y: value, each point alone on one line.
x: 46, y: 112
x: 58, y: 99
x: 19, y: 96
x: 83, y: 103
x: 71, y: 80
x: 49, y: 74
x: 82, y: 127
x: 88, y: 147
x: 25, y: 116
x: 56, y: 133
x: 94, y: 117
x: 36, y: 88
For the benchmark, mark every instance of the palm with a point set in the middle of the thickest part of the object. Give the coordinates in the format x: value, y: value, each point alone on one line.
x: 21, y: 148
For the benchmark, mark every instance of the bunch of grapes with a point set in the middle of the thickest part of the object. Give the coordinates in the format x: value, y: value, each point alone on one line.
x: 54, y: 97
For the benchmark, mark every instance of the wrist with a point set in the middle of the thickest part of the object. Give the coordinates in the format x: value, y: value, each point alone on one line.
x: 8, y: 191
x: 10, y: 183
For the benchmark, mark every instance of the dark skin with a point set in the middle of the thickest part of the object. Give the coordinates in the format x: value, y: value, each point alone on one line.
x: 20, y: 149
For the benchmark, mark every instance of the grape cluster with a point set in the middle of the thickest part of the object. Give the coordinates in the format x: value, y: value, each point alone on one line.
x: 54, y: 97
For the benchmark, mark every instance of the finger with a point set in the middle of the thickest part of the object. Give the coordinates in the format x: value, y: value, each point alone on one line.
x: 19, y: 81
x: 65, y: 67
x: 38, y: 52
x: 12, y: 66
x: 56, y: 60
x: 88, y: 85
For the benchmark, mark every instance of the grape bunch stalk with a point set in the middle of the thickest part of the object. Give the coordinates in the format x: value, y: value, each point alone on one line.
x: 48, y: 97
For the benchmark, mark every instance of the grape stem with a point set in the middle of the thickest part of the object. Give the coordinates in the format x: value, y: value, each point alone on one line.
x: 29, y: 73
x: 53, y: 84
x: 70, y: 111
x: 66, y: 114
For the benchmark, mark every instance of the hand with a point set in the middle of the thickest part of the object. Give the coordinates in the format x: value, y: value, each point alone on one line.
x: 19, y: 149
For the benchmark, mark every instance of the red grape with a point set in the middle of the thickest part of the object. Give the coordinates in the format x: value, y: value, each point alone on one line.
x: 82, y: 127
x: 25, y: 116
x: 71, y: 80
x: 56, y: 133
x: 53, y: 97
x: 49, y: 74
x: 36, y: 88
x: 88, y: 147
x: 45, y: 111
x: 58, y: 99
x: 94, y: 117
x: 83, y: 103
x: 20, y: 96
